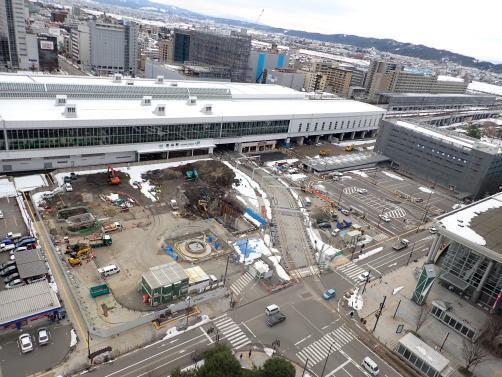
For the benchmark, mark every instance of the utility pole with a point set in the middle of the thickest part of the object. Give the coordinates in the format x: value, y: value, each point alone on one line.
x: 366, y: 282
x: 399, y: 303
x: 226, y: 270
x: 379, y: 313
x: 426, y: 212
x: 340, y: 197
x: 305, y: 366
x: 327, y: 357
x: 444, y: 341
x: 411, y: 253
x: 88, y: 344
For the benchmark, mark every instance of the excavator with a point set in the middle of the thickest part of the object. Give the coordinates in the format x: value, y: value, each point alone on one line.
x: 113, y: 178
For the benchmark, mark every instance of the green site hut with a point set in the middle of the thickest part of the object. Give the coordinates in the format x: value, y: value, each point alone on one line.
x: 164, y: 284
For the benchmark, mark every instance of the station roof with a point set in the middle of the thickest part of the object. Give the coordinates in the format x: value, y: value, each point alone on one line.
x: 479, y: 223
x: 27, y: 301
x: 344, y: 162
x: 30, y: 263
x: 425, y: 352
x: 129, y: 111
x: 164, y: 275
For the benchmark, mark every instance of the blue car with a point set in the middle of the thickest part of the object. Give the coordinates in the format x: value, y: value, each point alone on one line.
x: 329, y: 294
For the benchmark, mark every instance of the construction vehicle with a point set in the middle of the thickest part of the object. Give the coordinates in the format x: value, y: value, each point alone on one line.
x: 191, y: 174
x: 104, y: 240
x: 174, y: 204
x: 202, y: 205
x: 112, y: 227
x: 99, y: 290
x: 113, y: 178
x: 78, y: 249
x: 349, y: 148
x: 324, y: 153
x: 74, y: 261
x: 346, y: 223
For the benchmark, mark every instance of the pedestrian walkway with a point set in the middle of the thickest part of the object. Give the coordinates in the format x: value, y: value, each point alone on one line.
x: 396, y: 213
x: 230, y: 331
x: 351, y: 271
x: 240, y: 284
x: 304, y: 272
x: 318, y: 350
x: 350, y: 190
x: 380, y: 237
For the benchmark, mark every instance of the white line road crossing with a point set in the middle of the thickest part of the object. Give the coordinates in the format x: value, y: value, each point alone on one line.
x: 352, y: 271
x: 318, y: 350
x: 240, y: 284
x: 396, y: 213
x: 231, y: 331
x: 350, y: 190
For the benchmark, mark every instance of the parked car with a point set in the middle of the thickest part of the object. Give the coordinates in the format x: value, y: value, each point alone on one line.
x: 364, y: 276
x: 14, y: 283
x: 43, y: 336
x: 345, y: 211
x: 362, y: 191
x: 25, y: 343
x: 275, y: 319
x: 68, y: 187
x: 329, y: 294
x: 324, y: 225
x: 9, y: 270
x: 7, y: 264
x: 9, y: 278
x: 433, y: 230
x: 384, y: 218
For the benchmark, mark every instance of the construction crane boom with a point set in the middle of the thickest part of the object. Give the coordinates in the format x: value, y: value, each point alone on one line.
x: 259, y: 16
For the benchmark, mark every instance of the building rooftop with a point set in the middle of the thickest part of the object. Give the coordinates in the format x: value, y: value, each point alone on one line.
x: 450, y: 78
x: 129, y: 110
x: 164, y: 275
x: 483, y: 87
x: 479, y: 223
x: 26, y: 301
x: 340, y: 58
x: 434, y: 95
x: 344, y: 162
x: 425, y: 352
x: 446, y: 137
x: 30, y: 263
x: 196, y: 275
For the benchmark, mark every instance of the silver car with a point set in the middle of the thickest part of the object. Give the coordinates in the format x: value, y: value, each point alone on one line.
x: 25, y: 343
x: 43, y: 336
x: 14, y: 283
x: 9, y: 278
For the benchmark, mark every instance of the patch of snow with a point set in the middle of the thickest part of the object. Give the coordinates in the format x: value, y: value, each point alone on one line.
x: 252, y: 220
x: 7, y: 188
x: 296, y: 177
x: 172, y: 332
x: 276, y: 259
x: 326, y: 249
x: 345, y: 177
x: 393, y: 176
x: 241, y: 199
x: 73, y: 338
x: 30, y: 182
x: 360, y: 173
x: 459, y: 222
x: 425, y: 189
x: 54, y: 287
x: 251, y: 249
x: 370, y: 253
x: 356, y: 300
x: 355, y: 142
x: 37, y: 197
x: 272, y: 164
x: 370, y: 148
x: 268, y: 351
x: 396, y: 290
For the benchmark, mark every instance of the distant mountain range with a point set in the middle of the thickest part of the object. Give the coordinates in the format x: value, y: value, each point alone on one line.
x: 384, y: 45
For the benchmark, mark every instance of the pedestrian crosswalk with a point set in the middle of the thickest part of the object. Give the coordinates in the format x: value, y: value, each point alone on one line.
x: 318, y: 350
x: 240, y: 284
x: 350, y: 190
x: 380, y: 237
x: 352, y: 271
x: 230, y: 331
x: 396, y: 213
x: 304, y: 272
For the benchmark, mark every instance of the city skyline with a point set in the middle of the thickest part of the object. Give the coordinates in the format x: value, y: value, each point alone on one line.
x: 441, y: 25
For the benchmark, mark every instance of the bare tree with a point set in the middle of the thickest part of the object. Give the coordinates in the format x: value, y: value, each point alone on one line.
x: 473, y: 354
x: 423, y: 310
x: 493, y: 327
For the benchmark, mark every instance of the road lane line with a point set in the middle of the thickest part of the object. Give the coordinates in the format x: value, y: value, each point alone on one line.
x: 248, y: 329
x: 207, y: 336
x: 304, y: 339
x: 338, y: 368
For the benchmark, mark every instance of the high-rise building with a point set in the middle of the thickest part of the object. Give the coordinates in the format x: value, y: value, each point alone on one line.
x: 47, y: 53
x: 204, y: 47
x: 80, y: 47
x: 260, y: 63
x: 13, y: 34
x: 114, y: 47
x: 166, y: 51
x: 315, y: 81
x: 337, y: 78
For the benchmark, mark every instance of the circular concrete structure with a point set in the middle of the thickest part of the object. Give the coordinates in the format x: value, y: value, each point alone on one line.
x: 194, y: 249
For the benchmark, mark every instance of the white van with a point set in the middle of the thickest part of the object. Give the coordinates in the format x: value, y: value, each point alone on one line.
x: 271, y: 309
x: 109, y: 270
x: 371, y: 366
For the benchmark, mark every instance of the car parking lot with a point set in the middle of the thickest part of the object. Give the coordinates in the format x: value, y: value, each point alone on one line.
x: 12, y: 220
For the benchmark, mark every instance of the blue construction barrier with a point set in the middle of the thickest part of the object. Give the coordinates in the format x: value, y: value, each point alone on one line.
x: 170, y: 252
x: 256, y: 216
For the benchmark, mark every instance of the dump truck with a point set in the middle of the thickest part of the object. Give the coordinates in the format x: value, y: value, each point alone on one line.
x: 74, y: 261
x: 104, y: 240
x: 99, y: 290
x: 112, y: 227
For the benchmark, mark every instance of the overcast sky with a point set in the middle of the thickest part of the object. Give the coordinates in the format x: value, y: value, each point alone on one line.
x: 471, y: 27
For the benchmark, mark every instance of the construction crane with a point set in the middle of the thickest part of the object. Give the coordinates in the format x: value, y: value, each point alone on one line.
x: 113, y: 178
x: 259, y: 16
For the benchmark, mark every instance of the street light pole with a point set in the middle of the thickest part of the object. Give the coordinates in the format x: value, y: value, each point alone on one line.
x: 411, y: 253
x: 366, y: 282
x: 187, y: 301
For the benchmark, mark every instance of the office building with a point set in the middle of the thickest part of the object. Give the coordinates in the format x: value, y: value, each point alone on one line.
x: 287, y: 77
x: 166, y: 50
x: 80, y: 45
x: 358, y: 76
x: 428, y: 102
x: 13, y: 34
x: 469, y: 167
x: 47, y: 53
x: 260, y: 63
x: 78, y: 121
x: 449, y: 84
x: 210, y: 48
x: 468, y: 250
x: 114, y: 47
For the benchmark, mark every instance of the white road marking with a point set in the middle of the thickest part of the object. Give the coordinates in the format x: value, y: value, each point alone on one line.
x: 248, y: 329
x: 338, y: 368
x: 207, y: 336
x: 304, y: 339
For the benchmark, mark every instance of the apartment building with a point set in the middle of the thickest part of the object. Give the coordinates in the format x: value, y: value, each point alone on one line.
x: 166, y: 50
x: 13, y: 49
x: 338, y: 78
x: 315, y: 81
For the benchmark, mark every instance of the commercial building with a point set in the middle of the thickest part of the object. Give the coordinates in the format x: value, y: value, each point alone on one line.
x: 164, y: 284
x: 47, y: 53
x: 260, y: 63
x: 337, y: 78
x: 426, y: 102
x: 468, y: 250
x: 186, y: 71
x: 114, y: 47
x: 210, y: 48
x: 13, y: 47
x: 166, y: 50
x: 467, y: 166
x: 287, y: 77
x: 81, y: 45
x: 78, y: 121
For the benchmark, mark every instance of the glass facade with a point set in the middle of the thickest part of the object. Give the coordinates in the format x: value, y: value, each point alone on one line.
x: 451, y: 321
x: 420, y: 365
x: 96, y: 136
x: 468, y: 266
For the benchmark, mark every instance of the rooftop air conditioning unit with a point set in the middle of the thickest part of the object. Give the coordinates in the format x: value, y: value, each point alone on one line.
x: 207, y: 108
x: 159, y: 80
x: 70, y: 110
x: 192, y: 100
x: 160, y: 109
x: 174, y: 84
x: 117, y: 77
x: 61, y: 100
x: 146, y: 101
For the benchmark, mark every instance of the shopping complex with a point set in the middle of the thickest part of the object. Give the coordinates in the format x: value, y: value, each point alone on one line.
x: 54, y: 122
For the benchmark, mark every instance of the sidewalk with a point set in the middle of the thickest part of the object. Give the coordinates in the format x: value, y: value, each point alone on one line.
x: 257, y: 358
x: 431, y: 330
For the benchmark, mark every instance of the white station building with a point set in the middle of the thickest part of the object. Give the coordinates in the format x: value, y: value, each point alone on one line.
x: 51, y: 122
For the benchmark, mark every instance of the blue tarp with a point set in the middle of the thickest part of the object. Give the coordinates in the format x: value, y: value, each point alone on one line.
x: 170, y: 252
x: 255, y: 216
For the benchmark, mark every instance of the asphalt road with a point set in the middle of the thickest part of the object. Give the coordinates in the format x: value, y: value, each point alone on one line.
x: 15, y: 364
x: 69, y: 68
